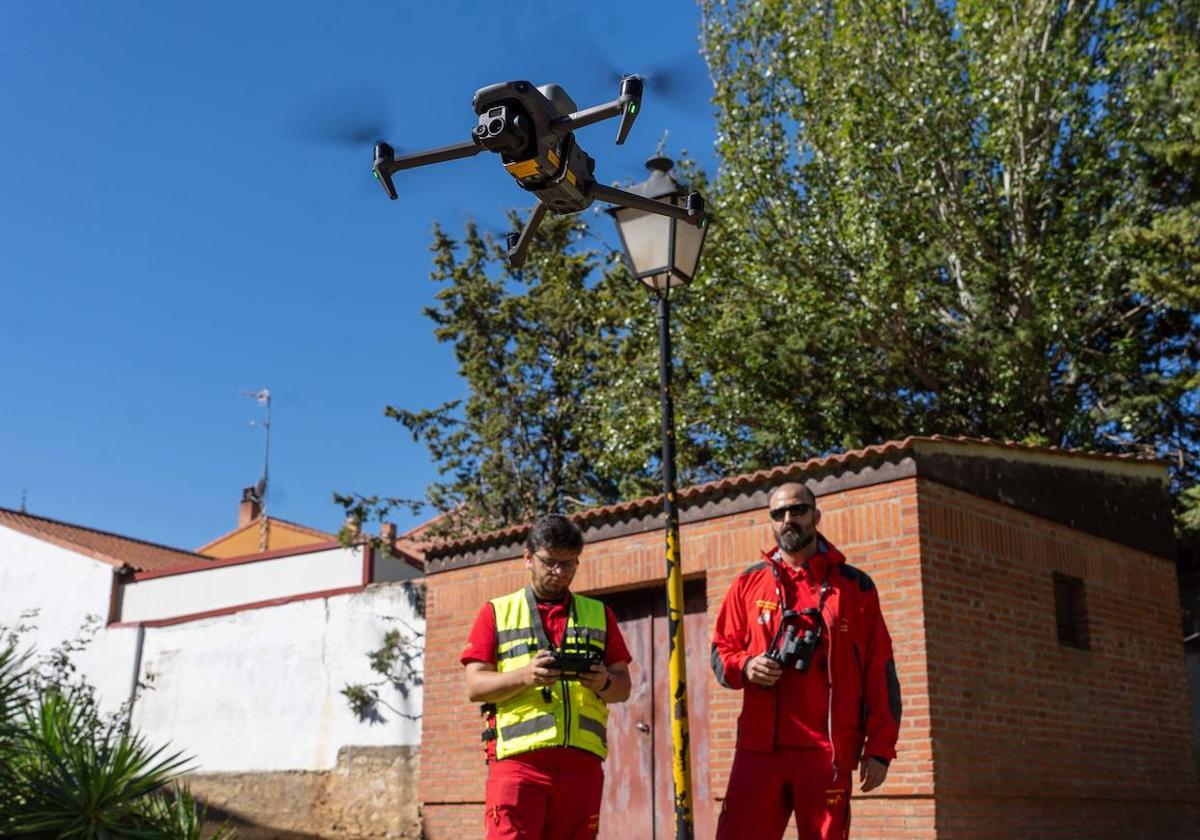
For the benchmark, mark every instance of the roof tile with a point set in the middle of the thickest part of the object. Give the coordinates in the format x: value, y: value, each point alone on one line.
x: 113, y: 549
x: 766, y: 476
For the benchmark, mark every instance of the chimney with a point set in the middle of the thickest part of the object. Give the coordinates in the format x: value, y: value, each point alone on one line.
x: 250, y: 508
x: 387, y: 533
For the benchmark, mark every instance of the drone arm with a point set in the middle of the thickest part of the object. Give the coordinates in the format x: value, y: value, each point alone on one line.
x: 443, y: 153
x: 628, y: 104
x: 588, y: 116
x: 518, y: 245
x: 691, y: 211
x: 387, y: 163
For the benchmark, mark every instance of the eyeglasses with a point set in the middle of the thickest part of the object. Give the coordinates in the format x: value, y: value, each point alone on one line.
x: 557, y: 565
x: 799, y: 509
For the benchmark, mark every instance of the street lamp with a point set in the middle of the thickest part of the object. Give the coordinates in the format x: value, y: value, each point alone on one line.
x: 663, y: 252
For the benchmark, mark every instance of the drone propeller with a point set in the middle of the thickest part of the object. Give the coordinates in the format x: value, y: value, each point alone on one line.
x: 352, y: 119
x: 677, y: 80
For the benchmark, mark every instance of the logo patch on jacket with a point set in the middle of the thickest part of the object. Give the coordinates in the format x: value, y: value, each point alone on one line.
x: 843, y: 625
x: 833, y: 798
x: 765, y: 608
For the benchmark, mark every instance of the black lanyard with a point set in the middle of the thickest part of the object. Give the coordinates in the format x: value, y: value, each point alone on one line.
x: 781, y: 590
x: 539, y: 629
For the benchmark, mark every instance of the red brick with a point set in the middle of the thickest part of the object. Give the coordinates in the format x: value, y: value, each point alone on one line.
x: 1006, y: 733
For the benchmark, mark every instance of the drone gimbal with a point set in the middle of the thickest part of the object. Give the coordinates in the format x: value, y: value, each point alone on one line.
x: 532, y: 129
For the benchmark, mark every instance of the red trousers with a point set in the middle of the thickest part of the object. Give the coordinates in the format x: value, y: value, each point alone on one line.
x: 766, y: 788
x: 548, y: 794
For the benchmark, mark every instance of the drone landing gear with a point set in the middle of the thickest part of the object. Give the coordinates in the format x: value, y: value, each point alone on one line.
x: 519, y: 244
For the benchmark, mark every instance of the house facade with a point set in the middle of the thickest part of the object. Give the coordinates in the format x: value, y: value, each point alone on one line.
x: 1032, y: 601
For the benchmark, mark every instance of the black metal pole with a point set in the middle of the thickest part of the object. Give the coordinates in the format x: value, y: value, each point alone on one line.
x: 681, y: 764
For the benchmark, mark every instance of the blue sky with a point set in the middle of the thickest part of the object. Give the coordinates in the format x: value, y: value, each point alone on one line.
x: 169, y: 236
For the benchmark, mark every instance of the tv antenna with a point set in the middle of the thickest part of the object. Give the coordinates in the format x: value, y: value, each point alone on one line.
x: 259, y: 491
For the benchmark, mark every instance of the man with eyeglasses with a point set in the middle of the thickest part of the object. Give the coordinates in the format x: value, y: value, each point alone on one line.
x: 545, y: 737
x: 802, y: 636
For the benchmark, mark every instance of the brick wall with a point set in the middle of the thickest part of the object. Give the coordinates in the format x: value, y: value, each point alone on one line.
x: 1031, y: 737
x: 878, y: 529
x: 1006, y: 733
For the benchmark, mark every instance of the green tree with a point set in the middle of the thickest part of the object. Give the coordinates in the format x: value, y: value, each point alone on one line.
x: 963, y: 218
x: 531, y: 345
x: 949, y: 218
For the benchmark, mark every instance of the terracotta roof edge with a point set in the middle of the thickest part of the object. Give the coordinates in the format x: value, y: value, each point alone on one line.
x: 911, y: 443
x: 104, y: 533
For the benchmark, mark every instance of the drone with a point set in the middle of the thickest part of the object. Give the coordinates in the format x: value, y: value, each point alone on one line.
x: 533, y: 131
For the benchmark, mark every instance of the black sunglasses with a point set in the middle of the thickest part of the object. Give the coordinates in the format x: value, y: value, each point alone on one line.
x: 798, y: 509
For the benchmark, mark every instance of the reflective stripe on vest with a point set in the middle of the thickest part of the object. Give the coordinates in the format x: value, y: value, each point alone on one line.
x: 573, y: 716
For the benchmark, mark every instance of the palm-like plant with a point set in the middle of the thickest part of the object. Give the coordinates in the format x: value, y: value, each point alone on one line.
x: 68, y: 773
x: 182, y: 817
x: 14, y: 692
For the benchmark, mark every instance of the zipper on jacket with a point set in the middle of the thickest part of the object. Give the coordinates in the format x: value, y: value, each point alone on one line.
x: 829, y: 676
x: 775, y: 736
x: 565, y: 687
x: 566, y: 693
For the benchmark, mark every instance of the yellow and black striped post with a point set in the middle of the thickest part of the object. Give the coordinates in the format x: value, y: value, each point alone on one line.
x: 681, y: 764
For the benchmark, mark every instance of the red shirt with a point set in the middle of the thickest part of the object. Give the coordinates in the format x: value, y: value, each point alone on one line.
x: 481, y: 646
x: 804, y: 719
x: 481, y: 642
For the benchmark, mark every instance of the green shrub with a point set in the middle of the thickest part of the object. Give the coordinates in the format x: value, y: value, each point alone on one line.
x: 68, y: 772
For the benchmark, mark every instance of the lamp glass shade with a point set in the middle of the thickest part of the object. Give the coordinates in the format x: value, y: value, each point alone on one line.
x: 646, y: 237
x: 689, y: 239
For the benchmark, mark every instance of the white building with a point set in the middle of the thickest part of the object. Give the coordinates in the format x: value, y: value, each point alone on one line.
x: 242, y: 661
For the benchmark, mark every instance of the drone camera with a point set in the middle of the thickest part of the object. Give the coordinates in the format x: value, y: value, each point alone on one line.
x: 503, y: 129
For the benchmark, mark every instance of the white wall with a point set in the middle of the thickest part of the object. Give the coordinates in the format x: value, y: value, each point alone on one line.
x: 254, y: 690
x: 63, y: 585
x: 260, y: 689
x: 65, y: 588
x: 241, y: 583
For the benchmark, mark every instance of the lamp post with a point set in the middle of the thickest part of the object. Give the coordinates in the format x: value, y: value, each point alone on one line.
x: 663, y: 253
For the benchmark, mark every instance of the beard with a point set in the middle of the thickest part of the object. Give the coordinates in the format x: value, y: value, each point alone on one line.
x: 550, y: 588
x: 793, y: 539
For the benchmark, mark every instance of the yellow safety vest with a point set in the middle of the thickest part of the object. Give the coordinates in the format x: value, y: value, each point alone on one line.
x: 565, y: 714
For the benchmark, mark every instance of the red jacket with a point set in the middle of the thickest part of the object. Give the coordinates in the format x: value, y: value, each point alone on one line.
x: 864, y: 692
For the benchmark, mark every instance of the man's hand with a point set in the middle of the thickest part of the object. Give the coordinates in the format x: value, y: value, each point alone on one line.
x: 538, y: 671
x: 595, y: 678
x: 871, y: 773
x: 764, y: 671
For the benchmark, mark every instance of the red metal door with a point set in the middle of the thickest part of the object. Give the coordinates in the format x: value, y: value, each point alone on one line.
x: 639, y: 787
x: 627, y: 811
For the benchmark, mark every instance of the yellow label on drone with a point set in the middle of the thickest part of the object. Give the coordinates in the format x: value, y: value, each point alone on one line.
x: 552, y: 157
x: 523, y: 168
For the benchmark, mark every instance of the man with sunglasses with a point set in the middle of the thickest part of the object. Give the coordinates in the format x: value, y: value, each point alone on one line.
x: 802, y: 636
x: 545, y: 737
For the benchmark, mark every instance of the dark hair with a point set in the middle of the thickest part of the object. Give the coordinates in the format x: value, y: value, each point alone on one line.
x: 553, y: 531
